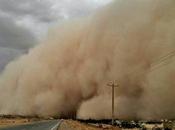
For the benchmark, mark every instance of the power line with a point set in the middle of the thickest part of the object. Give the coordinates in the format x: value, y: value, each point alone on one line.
x: 161, y: 61
x: 158, y: 63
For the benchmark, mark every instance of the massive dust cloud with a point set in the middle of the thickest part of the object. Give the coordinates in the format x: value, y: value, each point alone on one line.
x: 67, y: 73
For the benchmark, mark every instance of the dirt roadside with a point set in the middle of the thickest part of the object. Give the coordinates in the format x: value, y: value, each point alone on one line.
x: 75, y: 125
x: 65, y: 125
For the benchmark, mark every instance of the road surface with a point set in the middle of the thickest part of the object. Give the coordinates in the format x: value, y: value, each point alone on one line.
x: 43, y: 125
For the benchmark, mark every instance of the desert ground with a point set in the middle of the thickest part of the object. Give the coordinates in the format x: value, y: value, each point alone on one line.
x: 65, y: 125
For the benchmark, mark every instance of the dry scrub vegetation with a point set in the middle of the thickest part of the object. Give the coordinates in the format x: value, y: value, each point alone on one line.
x: 75, y: 125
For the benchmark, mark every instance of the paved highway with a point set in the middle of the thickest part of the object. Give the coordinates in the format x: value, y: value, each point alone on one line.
x: 43, y: 125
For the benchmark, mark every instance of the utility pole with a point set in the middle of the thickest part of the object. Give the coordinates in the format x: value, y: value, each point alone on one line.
x: 113, y: 85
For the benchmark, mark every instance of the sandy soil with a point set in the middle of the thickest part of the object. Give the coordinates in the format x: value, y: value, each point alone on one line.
x: 15, y: 121
x: 75, y: 125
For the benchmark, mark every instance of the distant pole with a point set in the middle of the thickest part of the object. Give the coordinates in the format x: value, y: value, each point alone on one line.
x: 113, y: 85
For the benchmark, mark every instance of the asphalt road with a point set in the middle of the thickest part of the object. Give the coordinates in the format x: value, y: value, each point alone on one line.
x: 43, y: 125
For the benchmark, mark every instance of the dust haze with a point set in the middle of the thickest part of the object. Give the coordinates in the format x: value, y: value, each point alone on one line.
x: 67, y: 73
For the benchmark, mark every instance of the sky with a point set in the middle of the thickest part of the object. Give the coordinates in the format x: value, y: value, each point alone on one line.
x: 23, y: 23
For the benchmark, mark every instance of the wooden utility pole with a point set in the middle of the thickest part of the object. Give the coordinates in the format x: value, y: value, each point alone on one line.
x: 113, y: 85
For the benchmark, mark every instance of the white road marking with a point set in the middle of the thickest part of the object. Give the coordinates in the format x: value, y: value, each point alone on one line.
x: 56, y: 126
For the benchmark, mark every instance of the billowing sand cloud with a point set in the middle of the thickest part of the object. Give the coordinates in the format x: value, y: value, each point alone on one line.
x: 67, y: 74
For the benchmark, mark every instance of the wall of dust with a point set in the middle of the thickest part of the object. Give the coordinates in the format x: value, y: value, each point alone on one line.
x: 67, y: 74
